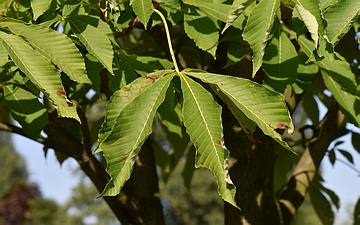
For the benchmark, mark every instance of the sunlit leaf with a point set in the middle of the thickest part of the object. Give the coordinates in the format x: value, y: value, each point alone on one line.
x: 340, y: 18
x: 258, y: 28
x: 309, y: 21
x: 95, y: 41
x: 126, y: 127
x: 39, y: 7
x: 143, y: 10
x: 40, y: 71
x: 64, y: 54
x: 202, y: 119
x: 264, y: 107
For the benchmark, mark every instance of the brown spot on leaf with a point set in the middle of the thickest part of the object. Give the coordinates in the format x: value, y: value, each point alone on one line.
x: 126, y: 155
x: 281, y: 126
x: 202, y: 163
x: 198, y: 153
x: 196, y: 145
x: 218, y: 142
x: 60, y: 93
x: 151, y: 78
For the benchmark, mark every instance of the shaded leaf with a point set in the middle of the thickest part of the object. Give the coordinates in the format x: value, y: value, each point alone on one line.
x: 311, y: 108
x: 355, y: 139
x: 93, y: 68
x: 235, y: 11
x: 349, y: 103
x: 304, y: 75
x: 125, y: 127
x: 202, y: 119
x: 347, y: 155
x: 40, y: 72
x: 321, y: 205
x: 26, y: 109
x: 280, y: 62
x: 170, y: 114
x: 95, y: 41
x: 203, y: 31
x: 332, y: 156
x: 258, y: 28
x: 264, y: 107
x: 357, y: 213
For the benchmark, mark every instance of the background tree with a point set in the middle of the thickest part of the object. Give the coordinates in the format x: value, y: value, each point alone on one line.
x: 279, y: 57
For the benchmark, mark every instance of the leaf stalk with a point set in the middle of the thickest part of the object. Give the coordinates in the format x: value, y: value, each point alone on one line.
x: 168, y: 39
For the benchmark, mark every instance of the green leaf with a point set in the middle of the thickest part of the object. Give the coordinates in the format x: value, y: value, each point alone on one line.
x: 280, y: 62
x: 189, y: 169
x: 63, y: 54
x: 236, y: 52
x: 169, y: 113
x: 126, y: 127
x: 4, y: 58
x: 311, y: 108
x: 202, y: 119
x: 235, y: 11
x: 321, y: 205
x: 310, y: 22
x: 264, y: 107
x: 40, y: 72
x: 258, y: 28
x: 347, y: 155
x: 124, y: 73
x: 95, y: 41
x: 39, y: 7
x: 26, y: 109
x: 355, y: 140
x: 349, y: 103
x: 211, y: 9
x: 304, y: 75
x: 357, y: 213
x: 143, y: 10
x: 339, y: 18
x: 312, y: 7
x: 332, y: 156
x: 203, y: 31
x: 94, y: 67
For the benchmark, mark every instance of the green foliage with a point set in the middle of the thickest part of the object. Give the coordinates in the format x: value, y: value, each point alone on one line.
x: 104, y: 48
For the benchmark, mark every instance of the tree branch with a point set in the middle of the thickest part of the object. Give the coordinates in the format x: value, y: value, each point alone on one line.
x: 294, y: 193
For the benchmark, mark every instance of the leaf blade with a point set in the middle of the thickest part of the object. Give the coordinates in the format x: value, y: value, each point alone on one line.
x: 202, y: 119
x: 40, y: 72
x: 95, y: 41
x: 257, y: 29
x: 126, y: 128
x: 264, y: 107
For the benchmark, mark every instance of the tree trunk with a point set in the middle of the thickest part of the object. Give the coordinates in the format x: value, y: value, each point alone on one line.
x: 252, y: 170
